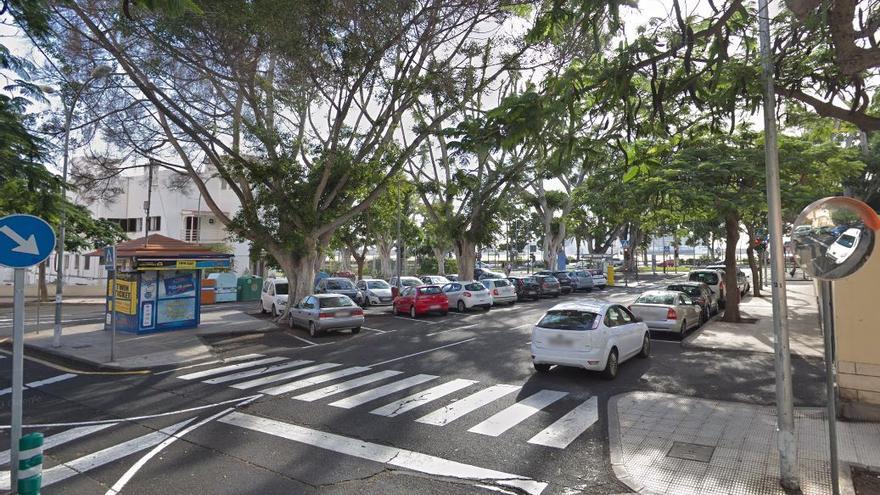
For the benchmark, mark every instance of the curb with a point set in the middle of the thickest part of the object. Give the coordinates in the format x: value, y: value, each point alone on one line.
x: 72, y: 364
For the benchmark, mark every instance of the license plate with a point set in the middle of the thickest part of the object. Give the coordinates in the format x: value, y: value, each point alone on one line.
x: 435, y: 306
x: 560, y: 341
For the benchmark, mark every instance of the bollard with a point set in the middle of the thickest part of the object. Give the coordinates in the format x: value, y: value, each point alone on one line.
x: 30, y: 464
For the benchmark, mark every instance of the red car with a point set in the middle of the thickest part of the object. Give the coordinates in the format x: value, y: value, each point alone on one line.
x: 420, y: 300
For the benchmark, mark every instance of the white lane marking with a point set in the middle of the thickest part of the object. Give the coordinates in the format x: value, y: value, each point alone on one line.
x: 448, y: 414
x: 40, y: 383
x: 315, y: 380
x: 419, y: 399
x: 406, y: 459
x: 567, y: 428
x: 522, y: 326
x: 241, y: 400
x: 97, y: 459
x: 453, y: 329
x: 418, y: 321
x: 62, y: 438
x: 305, y: 340
x: 124, y: 479
x: 231, y: 367
x: 234, y: 359
x: 374, y: 329
x: 375, y: 393
x: 259, y: 371
x: 424, y: 352
x: 265, y: 380
x: 513, y: 415
x: 345, y: 386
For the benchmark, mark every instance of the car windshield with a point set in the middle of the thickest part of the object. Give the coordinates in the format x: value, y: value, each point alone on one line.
x: 430, y: 290
x: 406, y: 282
x: 687, y: 289
x: 529, y: 280
x: 846, y: 240
x: 378, y: 284
x: 339, y: 285
x: 474, y: 286
x: 709, y: 278
x: 335, y: 302
x: 281, y: 289
x: 667, y: 299
x: 567, y: 319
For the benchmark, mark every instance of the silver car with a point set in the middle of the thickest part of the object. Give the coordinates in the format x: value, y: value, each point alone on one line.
x: 376, y: 292
x: 466, y: 295
x: 322, y: 312
x: 667, y: 311
x: 581, y: 280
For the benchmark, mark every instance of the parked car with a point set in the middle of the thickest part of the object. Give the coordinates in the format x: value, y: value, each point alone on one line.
x: 581, y: 280
x: 339, y: 285
x: 526, y: 288
x: 397, y: 283
x: 548, y: 285
x: 452, y: 278
x: 434, y: 279
x: 667, y: 311
x: 322, y: 312
x: 599, y: 279
x: 487, y: 274
x: 421, y: 300
x: 713, y: 278
x: 273, y: 296
x: 700, y: 294
x: 467, y: 295
x: 501, y: 290
x: 376, y: 292
x: 743, y: 281
x: 591, y: 335
x: 565, y: 283
x: 844, y: 246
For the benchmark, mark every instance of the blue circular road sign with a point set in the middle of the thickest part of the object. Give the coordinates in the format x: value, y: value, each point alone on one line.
x: 25, y: 240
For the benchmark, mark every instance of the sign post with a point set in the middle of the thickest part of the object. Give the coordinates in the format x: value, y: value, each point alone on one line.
x: 110, y: 264
x: 25, y: 241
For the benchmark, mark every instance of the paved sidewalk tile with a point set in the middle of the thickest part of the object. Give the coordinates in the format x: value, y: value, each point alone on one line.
x: 655, y: 439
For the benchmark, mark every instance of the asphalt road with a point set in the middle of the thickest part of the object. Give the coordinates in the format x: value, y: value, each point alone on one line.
x: 442, y: 405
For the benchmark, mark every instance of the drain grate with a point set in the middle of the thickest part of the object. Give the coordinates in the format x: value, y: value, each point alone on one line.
x: 691, y: 451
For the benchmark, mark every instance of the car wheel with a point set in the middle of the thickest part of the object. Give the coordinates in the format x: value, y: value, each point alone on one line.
x: 290, y: 321
x: 487, y: 307
x: 366, y: 302
x: 512, y: 303
x: 684, y: 328
x: 313, y: 329
x: 444, y: 313
x: 610, y: 371
x: 460, y: 306
x: 646, y: 347
x: 542, y: 367
x: 356, y: 330
x: 555, y: 296
x: 412, y: 312
x: 262, y: 308
x: 274, y: 311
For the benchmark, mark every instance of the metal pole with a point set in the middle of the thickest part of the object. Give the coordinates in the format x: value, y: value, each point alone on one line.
x: 59, y: 252
x: 399, y: 260
x: 825, y: 303
x: 17, y: 374
x: 149, y: 200
x: 784, y: 396
x: 113, y: 318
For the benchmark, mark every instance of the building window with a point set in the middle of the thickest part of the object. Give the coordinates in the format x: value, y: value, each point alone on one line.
x: 66, y: 261
x: 154, y: 224
x: 128, y: 224
x: 87, y: 262
x: 76, y: 262
x: 191, y: 234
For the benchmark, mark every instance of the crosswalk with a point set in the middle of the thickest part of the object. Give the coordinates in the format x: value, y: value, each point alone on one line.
x: 390, y: 393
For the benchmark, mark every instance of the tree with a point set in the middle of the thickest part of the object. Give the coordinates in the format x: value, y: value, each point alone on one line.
x: 297, y: 107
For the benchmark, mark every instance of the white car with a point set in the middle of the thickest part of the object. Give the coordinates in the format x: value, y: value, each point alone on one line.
x: 376, y: 292
x: 743, y: 276
x: 599, y: 279
x: 844, y: 246
x: 501, y: 290
x: 466, y: 295
x: 434, y: 280
x: 593, y: 335
x: 273, y: 297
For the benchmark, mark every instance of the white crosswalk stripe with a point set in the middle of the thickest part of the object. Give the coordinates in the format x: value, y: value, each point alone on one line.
x: 457, y: 409
x: 564, y: 431
x: 231, y: 367
x: 419, y: 399
x: 315, y: 380
x: 40, y: 383
x: 265, y: 380
x: 378, y: 392
x: 62, y: 438
x: 347, y: 385
x: 259, y: 371
x: 513, y: 415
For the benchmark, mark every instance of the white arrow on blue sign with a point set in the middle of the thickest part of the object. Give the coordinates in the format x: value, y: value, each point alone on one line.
x: 25, y: 240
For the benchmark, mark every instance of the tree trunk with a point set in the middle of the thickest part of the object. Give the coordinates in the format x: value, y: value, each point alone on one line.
x: 465, y: 255
x: 300, y: 273
x: 385, y: 247
x: 345, y: 259
x: 753, y: 263
x: 731, y: 291
x: 577, y: 244
x: 440, y: 254
x: 41, y: 282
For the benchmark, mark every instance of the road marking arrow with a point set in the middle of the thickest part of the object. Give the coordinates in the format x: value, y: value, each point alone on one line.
x: 28, y: 246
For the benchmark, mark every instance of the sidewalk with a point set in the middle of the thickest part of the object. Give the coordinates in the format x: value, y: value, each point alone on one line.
x: 805, y: 336
x: 668, y: 444
x: 90, y: 343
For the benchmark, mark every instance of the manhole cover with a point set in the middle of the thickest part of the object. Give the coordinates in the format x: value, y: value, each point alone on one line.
x: 691, y: 451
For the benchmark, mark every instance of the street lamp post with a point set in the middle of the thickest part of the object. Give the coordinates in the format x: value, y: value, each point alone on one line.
x: 98, y: 73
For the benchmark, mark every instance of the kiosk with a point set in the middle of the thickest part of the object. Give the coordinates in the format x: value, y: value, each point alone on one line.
x: 158, y: 283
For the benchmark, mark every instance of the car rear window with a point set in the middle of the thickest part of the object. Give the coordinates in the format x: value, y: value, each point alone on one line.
x: 501, y: 283
x: 281, y: 289
x: 406, y: 282
x: 430, y: 290
x: 335, y: 302
x: 529, y: 280
x: 339, y: 285
x: 474, y: 286
x: 377, y: 284
x: 687, y: 289
x: 709, y: 278
x: 568, y: 319
x: 656, y: 299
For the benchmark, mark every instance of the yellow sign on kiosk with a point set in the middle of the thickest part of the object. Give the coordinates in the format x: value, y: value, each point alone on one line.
x: 126, y: 296
x: 186, y: 264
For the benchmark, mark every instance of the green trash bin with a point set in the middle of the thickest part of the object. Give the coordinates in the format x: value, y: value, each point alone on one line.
x: 249, y: 288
